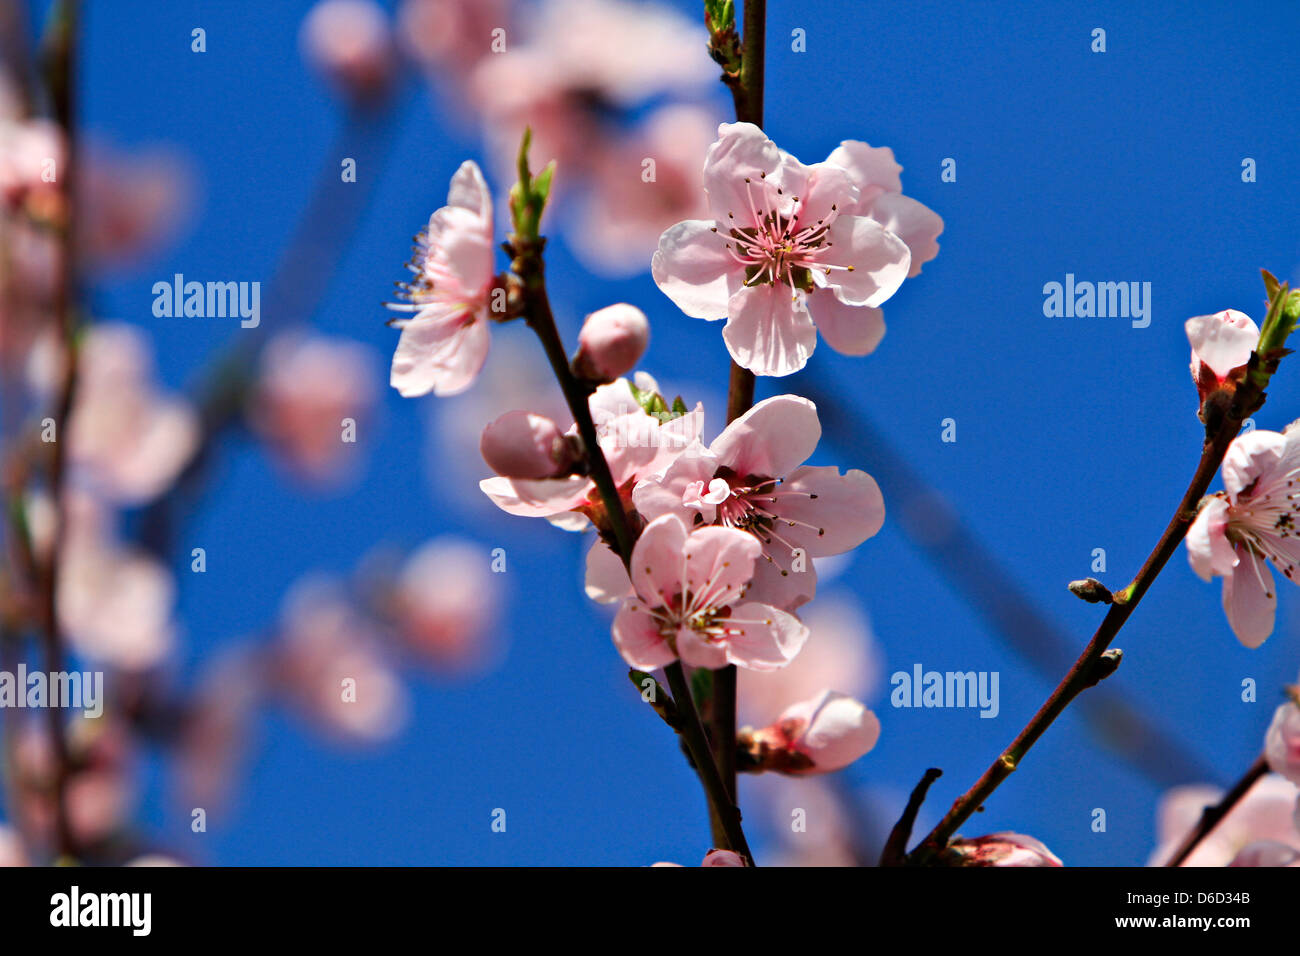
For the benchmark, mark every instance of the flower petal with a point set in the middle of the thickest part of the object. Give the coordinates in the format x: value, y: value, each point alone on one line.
x: 769, y: 331
x: 832, y: 513
x: 1223, y: 341
x: 690, y: 267
x: 771, y: 439
x: 440, y: 352
x: 636, y: 635
x: 848, y: 329
x: 872, y: 168
x: 915, y: 223
x: 1249, y: 457
x: 1208, y: 548
x: 468, y: 190
x: 1249, y: 599
x: 607, y: 579
x: 762, y: 637
x: 658, y: 561
x: 869, y: 261
x: 735, y: 169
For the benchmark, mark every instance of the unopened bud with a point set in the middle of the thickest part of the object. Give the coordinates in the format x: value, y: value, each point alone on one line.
x: 819, y: 735
x: 999, y: 849
x: 611, y: 342
x: 1221, y: 344
x: 523, y: 445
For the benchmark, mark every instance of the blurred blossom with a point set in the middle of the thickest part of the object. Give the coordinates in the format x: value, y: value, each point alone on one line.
x: 452, y: 35
x: 827, y: 836
x: 32, y: 167
x: 329, y: 664
x: 129, y: 440
x: 841, y: 653
x: 582, y: 61
x: 307, y: 386
x: 130, y: 202
x: 1265, y: 814
x: 1282, y: 742
x: 446, y: 602
x: 115, y: 601
x: 350, y: 43
x: 11, y: 848
x: 216, y: 732
x: 622, y: 214
x: 101, y: 792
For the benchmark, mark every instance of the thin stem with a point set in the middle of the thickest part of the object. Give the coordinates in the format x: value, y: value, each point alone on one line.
x: 538, y: 315
x: 1084, y: 673
x: 748, y: 95
x: 1211, y: 817
x: 721, y: 804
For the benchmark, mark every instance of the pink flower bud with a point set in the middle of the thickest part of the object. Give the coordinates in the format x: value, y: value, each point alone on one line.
x: 999, y: 849
x: 819, y: 735
x: 611, y: 342
x: 523, y: 445
x: 722, y: 858
x: 349, y: 41
x: 1282, y: 743
x: 1221, y: 343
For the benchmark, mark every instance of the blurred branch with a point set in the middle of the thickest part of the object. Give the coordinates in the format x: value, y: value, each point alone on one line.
x: 1211, y: 817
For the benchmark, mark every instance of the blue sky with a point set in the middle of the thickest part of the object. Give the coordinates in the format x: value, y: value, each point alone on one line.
x: 1072, y: 433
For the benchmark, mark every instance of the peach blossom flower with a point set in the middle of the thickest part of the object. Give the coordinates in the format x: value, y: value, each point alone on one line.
x: 1221, y: 343
x: 818, y: 735
x: 443, y: 346
x: 446, y: 603
x: 784, y: 254
x: 1252, y: 520
x: 688, y: 602
x: 752, y: 478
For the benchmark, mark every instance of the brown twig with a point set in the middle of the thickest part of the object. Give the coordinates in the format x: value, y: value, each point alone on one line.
x: 1211, y: 817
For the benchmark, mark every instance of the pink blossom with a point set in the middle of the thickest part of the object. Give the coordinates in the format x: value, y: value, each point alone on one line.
x: 11, y: 848
x: 1000, y: 849
x: 1221, y: 343
x: 31, y: 164
x: 115, y: 601
x: 624, y: 208
x: 130, y: 203
x: 611, y: 342
x: 635, y: 444
x: 451, y: 35
x: 688, y: 602
x: 1282, y: 742
x: 127, y: 438
x: 723, y: 858
x: 751, y: 478
x: 782, y: 256
x: 520, y: 444
x: 350, y: 43
x: 218, y: 726
x: 1253, y: 519
x: 307, y: 386
x: 446, y: 602
x: 329, y: 663
x: 1265, y: 815
x: 824, y: 733
x: 443, y: 346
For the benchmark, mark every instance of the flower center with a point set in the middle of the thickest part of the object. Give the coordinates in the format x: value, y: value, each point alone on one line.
x: 775, y: 247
